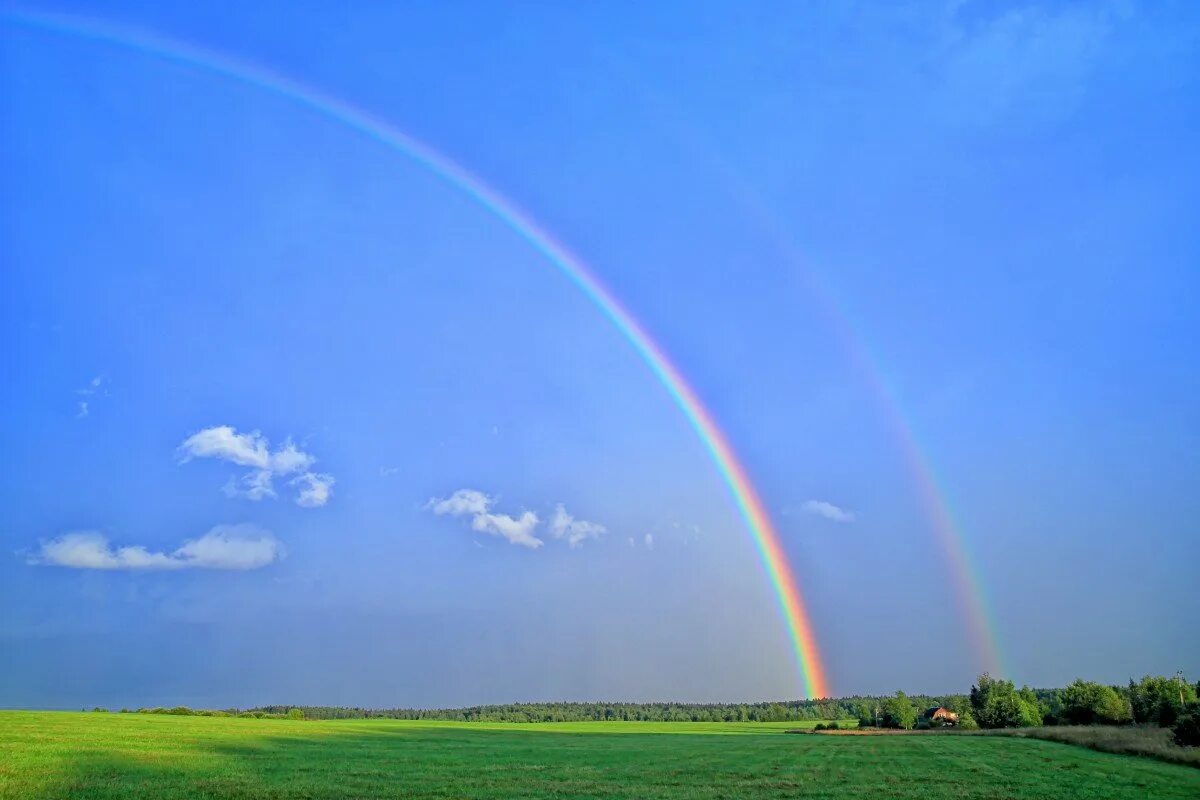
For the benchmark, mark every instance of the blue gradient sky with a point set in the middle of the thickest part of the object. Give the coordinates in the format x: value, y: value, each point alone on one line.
x: 999, y: 197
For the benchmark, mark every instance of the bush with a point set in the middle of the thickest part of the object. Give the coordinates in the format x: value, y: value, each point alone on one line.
x: 1087, y: 703
x: 1187, y: 727
x: 833, y: 726
x: 295, y: 713
x: 820, y: 726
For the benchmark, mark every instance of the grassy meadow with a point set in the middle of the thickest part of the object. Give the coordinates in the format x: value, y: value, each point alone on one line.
x: 94, y: 755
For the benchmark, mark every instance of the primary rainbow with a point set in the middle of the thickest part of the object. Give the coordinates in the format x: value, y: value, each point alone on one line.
x: 750, y: 506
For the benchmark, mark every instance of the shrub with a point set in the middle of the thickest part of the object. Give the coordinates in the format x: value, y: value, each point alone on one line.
x: 833, y: 726
x: 820, y: 726
x: 1187, y: 727
x: 295, y: 713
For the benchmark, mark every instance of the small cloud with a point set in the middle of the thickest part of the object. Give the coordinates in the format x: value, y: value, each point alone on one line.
x: 387, y: 472
x: 649, y: 540
x: 477, y: 505
x: 94, y: 387
x: 829, y: 511
x: 252, y: 449
x: 315, y: 489
x: 225, y: 443
x: 575, y: 531
x: 226, y: 547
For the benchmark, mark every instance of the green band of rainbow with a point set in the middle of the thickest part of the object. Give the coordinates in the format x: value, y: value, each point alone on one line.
x: 749, y: 505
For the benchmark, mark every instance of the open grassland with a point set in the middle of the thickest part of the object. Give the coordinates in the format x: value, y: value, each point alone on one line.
x: 61, y: 755
x: 1131, y: 740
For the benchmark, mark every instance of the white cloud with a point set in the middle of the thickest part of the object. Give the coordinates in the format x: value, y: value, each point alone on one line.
x: 464, y: 501
x: 94, y: 387
x: 229, y: 547
x: 477, y: 505
x: 829, y: 511
x: 575, y: 531
x: 649, y: 541
x: 315, y: 489
x: 252, y: 449
x: 224, y: 442
x: 254, y: 485
x: 1031, y: 61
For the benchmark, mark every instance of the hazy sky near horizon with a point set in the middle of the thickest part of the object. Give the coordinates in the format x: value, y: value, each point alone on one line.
x: 287, y: 418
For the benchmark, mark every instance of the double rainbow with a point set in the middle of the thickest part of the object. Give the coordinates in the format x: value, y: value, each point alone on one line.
x: 766, y: 539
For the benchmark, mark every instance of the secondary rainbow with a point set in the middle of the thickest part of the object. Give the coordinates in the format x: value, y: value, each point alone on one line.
x: 750, y: 506
x: 968, y: 587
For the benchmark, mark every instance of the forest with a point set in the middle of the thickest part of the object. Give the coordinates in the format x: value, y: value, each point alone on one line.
x: 1162, y: 701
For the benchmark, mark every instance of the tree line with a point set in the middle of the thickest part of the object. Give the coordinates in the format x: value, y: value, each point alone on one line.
x: 1155, y: 700
x: 1164, y: 701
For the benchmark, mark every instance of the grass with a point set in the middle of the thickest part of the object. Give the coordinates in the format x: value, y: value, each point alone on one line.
x: 61, y: 755
x: 1127, y: 740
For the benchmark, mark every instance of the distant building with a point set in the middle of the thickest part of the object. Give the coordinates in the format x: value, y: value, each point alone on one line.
x: 940, y: 715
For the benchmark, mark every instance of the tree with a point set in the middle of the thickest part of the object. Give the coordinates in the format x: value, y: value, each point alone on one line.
x: 997, y: 704
x: 295, y: 713
x: 898, y: 712
x: 1157, y: 700
x: 1031, y: 709
x: 1087, y: 703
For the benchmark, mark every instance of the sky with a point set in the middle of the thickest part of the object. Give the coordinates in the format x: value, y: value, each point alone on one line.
x: 289, y: 418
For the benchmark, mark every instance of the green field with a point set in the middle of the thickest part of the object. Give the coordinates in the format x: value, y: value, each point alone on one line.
x: 59, y: 754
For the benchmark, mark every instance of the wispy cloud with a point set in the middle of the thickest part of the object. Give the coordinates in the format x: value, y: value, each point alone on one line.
x: 829, y: 511
x: 575, y: 531
x: 95, y: 386
x: 1035, y: 59
x: 649, y: 540
x: 252, y: 449
x: 477, y: 505
x: 225, y: 547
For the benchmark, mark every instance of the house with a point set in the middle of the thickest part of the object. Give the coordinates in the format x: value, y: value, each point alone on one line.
x: 940, y: 715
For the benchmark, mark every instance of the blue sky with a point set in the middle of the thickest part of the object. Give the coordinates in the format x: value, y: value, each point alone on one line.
x: 295, y: 346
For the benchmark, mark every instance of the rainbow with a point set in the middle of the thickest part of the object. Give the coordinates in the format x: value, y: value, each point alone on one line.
x: 968, y: 586
x: 750, y: 506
